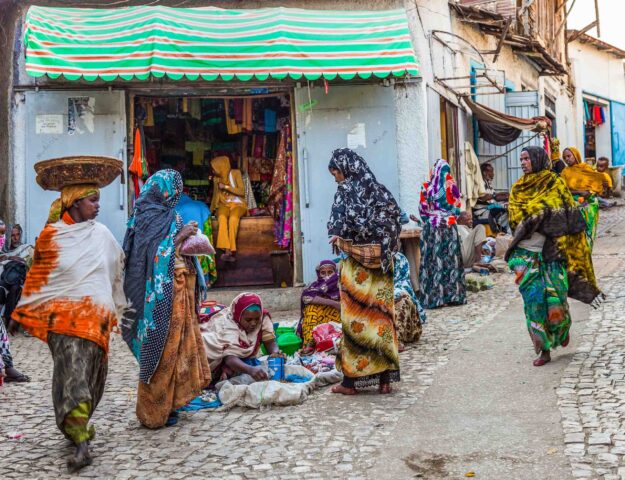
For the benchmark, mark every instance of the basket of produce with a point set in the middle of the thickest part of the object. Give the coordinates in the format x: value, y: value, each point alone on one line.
x: 57, y: 173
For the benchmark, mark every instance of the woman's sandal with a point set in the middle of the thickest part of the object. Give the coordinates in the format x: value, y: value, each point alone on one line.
x: 566, y: 340
x: 540, y: 361
x: 21, y: 378
x: 385, y: 388
x: 343, y: 390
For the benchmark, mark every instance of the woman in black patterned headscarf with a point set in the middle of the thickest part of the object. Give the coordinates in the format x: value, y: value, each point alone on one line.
x: 365, y: 226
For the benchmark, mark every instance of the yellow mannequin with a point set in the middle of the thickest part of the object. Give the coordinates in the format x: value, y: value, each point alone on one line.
x: 229, y: 203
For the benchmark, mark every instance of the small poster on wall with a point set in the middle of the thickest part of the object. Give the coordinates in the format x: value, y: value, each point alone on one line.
x: 80, y: 115
x: 49, y: 124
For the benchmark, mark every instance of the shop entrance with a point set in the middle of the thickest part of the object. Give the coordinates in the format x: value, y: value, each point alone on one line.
x: 255, y: 134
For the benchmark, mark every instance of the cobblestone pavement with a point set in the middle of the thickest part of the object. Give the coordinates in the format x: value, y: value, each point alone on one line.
x: 328, y: 436
x: 591, y: 394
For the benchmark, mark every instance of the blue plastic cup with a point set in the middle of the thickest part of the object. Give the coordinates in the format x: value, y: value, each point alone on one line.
x: 276, y: 368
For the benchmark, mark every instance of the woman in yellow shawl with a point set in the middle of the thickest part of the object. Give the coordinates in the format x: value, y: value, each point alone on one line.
x: 549, y: 253
x: 585, y: 184
x: 229, y: 204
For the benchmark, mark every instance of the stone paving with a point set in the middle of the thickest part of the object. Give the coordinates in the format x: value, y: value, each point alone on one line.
x: 591, y: 394
x: 328, y: 436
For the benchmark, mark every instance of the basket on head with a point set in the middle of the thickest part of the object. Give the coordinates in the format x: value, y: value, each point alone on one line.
x: 57, y: 173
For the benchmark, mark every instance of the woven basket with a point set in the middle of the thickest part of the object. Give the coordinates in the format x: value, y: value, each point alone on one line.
x: 61, y: 172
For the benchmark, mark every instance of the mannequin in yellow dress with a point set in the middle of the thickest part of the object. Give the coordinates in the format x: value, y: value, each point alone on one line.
x: 229, y: 205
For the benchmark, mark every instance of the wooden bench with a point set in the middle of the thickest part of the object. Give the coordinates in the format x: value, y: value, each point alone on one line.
x: 254, y: 246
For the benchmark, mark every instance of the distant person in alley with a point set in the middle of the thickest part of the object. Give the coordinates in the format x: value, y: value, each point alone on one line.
x: 549, y: 253
x: 364, y: 226
x: 441, y: 274
x: 72, y: 299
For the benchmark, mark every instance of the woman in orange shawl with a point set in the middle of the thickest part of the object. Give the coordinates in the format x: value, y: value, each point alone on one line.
x: 585, y: 184
x: 72, y: 299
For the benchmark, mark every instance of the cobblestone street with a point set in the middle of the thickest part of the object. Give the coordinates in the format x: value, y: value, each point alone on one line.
x: 328, y: 436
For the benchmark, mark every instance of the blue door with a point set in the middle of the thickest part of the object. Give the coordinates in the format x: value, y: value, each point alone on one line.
x: 617, y: 119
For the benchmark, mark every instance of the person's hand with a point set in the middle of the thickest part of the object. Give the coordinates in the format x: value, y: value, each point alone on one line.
x: 333, y: 240
x: 415, y: 219
x: 502, y: 196
x: 187, y: 231
x: 258, y: 374
x: 222, y: 186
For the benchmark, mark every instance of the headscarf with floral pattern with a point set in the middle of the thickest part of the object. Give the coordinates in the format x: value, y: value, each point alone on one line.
x: 148, y: 284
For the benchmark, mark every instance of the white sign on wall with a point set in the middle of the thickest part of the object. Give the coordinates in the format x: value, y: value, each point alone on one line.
x: 49, y: 124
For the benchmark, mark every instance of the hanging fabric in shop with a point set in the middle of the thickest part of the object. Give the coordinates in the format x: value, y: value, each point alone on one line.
x: 139, y: 165
x: 280, y: 201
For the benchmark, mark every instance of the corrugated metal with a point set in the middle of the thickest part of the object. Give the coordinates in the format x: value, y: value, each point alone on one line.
x: 519, y: 104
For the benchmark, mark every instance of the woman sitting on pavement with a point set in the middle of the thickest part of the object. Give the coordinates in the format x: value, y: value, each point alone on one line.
x: 549, y: 253
x: 233, y: 337
x: 409, y: 314
x: 320, y: 301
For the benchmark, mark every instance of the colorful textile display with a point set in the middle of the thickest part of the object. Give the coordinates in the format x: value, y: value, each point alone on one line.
x: 280, y: 200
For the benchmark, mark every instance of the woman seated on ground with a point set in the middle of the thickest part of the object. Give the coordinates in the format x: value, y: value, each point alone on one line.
x: 409, y: 314
x: 233, y: 337
x: 320, y: 302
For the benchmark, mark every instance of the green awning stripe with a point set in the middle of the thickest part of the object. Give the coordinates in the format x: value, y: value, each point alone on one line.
x: 212, y: 43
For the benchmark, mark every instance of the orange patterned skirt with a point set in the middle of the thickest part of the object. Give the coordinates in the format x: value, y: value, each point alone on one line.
x: 183, y: 370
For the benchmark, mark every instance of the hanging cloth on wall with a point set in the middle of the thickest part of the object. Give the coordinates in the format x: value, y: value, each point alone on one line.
x: 498, y: 134
x: 587, y: 117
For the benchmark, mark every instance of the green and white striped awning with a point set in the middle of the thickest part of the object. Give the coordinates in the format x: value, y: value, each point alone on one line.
x: 212, y: 43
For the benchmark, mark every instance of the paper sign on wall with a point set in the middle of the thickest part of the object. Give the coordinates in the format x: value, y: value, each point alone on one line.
x: 357, y: 137
x: 49, y: 124
x: 80, y: 115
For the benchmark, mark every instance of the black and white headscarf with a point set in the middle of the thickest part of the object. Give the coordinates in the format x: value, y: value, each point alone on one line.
x: 364, y: 210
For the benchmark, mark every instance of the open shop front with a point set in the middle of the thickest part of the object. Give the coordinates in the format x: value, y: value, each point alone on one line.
x: 254, y: 133
x: 195, y: 83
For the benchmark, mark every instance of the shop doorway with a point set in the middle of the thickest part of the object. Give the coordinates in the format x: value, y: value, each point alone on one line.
x: 595, y: 115
x: 255, y: 134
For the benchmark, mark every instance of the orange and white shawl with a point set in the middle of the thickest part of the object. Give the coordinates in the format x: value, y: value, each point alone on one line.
x: 75, y: 285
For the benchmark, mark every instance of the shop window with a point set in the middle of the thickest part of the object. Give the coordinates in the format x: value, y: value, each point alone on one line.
x: 254, y: 133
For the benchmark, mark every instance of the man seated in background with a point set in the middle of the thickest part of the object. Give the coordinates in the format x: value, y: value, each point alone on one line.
x: 472, y: 241
x: 491, y: 209
x: 603, y: 163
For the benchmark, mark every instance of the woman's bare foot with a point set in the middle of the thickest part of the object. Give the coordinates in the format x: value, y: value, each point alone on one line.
x: 544, y: 358
x: 401, y: 347
x: 80, y: 459
x: 385, y: 388
x: 343, y: 390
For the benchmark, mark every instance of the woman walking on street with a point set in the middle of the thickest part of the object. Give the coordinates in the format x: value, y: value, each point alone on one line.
x: 162, y: 332
x: 72, y: 298
x: 549, y: 253
x: 585, y: 184
x: 365, y: 227
x: 441, y: 275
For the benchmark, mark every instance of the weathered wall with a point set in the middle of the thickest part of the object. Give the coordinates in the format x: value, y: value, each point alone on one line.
x: 597, y: 73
